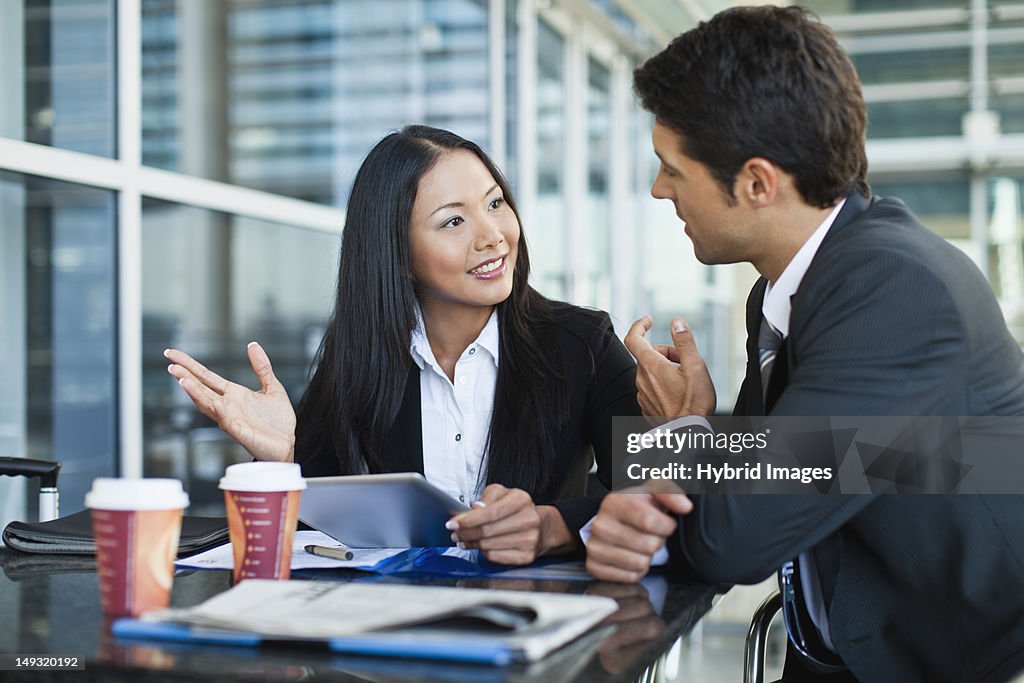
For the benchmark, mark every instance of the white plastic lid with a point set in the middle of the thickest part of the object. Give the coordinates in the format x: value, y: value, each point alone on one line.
x: 263, y: 476
x: 136, y: 494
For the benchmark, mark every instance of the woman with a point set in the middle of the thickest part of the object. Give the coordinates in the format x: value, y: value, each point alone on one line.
x: 440, y: 358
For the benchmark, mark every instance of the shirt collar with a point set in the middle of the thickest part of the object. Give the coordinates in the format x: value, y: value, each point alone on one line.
x: 777, y: 307
x: 423, y: 355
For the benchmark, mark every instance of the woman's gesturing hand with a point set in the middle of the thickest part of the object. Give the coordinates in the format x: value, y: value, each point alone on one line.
x: 262, y: 421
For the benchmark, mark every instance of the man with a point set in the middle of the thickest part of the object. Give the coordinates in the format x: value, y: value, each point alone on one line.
x: 760, y: 127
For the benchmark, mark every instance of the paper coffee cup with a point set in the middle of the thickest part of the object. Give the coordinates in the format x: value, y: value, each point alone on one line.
x: 136, y: 524
x: 262, y: 501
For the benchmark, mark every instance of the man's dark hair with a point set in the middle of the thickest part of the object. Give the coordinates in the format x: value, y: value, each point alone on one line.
x: 767, y: 82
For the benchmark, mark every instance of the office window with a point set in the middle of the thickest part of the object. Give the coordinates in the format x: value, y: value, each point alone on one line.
x: 57, y: 60
x: 313, y: 84
x: 1006, y: 65
x: 510, y: 166
x: 826, y: 7
x: 58, y: 363
x: 918, y: 66
x: 547, y: 233
x: 924, y: 118
x: 1011, y: 112
x: 940, y: 201
x: 595, y: 289
x: 212, y: 283
x: 1006, y: 251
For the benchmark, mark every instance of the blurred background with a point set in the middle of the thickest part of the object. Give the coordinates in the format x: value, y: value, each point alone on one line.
x: 175, y: 173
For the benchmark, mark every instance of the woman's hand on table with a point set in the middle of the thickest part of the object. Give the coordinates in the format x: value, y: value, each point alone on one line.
x: 261, y: 421
x: 508, y: 528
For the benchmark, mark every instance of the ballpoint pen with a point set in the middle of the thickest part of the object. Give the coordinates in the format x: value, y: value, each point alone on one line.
x: 339, y: 552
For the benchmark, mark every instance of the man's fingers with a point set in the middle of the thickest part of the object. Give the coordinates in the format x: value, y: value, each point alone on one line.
x: 636, y: 341
x: 636, y: 510
x: 260, y: 362
x: 198, y: 370
x: 678, y: 503
x: 615, y: 564
x: 668, y: 351
x: 608, y: 572
x: 611, y: 530
x: 682, y: 339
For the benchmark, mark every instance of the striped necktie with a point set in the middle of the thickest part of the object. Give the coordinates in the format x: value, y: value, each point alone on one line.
x: 769, y: 340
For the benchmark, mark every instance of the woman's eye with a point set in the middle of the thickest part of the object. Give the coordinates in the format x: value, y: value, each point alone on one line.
x: 495, y: 203
x: 453, y: 222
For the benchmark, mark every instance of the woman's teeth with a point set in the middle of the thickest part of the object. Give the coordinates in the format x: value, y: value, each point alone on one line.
x: 488, y: 267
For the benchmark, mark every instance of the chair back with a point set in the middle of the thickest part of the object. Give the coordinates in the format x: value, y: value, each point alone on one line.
x: 47, y: 471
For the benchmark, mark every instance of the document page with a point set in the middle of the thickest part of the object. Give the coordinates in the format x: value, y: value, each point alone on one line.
x: 367, y: 559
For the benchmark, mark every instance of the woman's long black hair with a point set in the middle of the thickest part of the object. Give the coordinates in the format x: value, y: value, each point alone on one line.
x: 363, y: 363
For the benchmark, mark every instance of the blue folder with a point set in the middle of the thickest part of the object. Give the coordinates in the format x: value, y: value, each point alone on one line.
x: 419, y: 644
x: 468, y: 564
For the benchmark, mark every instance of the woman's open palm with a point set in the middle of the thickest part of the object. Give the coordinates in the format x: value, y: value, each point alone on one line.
x: 261, y: 421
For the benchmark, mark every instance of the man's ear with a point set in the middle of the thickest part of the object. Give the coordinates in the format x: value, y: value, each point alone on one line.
x: 757, y: 183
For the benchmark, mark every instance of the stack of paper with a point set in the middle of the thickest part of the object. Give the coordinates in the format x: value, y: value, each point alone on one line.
x: 422, y: 621
x: 372, y: 559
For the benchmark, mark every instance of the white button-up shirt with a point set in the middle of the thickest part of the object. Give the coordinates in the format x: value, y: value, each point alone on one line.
x: 456, y: 416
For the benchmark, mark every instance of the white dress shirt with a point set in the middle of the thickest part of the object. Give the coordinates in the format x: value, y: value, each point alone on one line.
x: 456, y: 416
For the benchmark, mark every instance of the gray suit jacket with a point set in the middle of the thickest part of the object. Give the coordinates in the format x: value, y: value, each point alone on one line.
x: 889, y: 320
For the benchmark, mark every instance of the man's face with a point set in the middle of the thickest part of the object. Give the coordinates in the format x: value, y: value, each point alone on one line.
x: 713, y: 221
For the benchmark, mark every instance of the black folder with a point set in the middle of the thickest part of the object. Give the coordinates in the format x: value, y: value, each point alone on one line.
x: 72, y: 535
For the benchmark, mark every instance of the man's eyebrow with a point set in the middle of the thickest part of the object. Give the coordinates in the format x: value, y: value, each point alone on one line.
x: 454, y: 204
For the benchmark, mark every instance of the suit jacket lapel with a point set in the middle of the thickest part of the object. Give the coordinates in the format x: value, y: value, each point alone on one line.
x: 405, y: 447
x: 855, y: 205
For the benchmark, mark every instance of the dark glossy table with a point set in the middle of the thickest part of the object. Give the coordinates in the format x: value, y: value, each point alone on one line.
x: 50, y: 606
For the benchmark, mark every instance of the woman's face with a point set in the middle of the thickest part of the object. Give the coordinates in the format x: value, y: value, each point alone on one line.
x: 463, y: 237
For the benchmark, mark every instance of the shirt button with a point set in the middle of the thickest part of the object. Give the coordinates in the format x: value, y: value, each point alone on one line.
x: 462, y: 380
x: 458, y: 437
x: 472, y: 351
x: 462, y: 499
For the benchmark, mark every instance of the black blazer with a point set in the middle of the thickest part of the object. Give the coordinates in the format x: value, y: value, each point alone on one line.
x: 602, y: 384
x: 889, y: 320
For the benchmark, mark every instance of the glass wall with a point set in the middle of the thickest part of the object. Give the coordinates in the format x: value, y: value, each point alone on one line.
x: 548, y: 231
x: 311, y: 85
x: 212, y: 283
x: 1006, y: 253
x: 594, y: 289
x: 254, y: 115
x: 65, y: 88
x: 59, y: 352
x: 944, y: 84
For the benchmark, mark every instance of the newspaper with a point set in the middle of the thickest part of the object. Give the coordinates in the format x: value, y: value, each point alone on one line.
x: 530, y: 624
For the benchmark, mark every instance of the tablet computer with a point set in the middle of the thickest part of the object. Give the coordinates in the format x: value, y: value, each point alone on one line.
x: 379, y: 510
